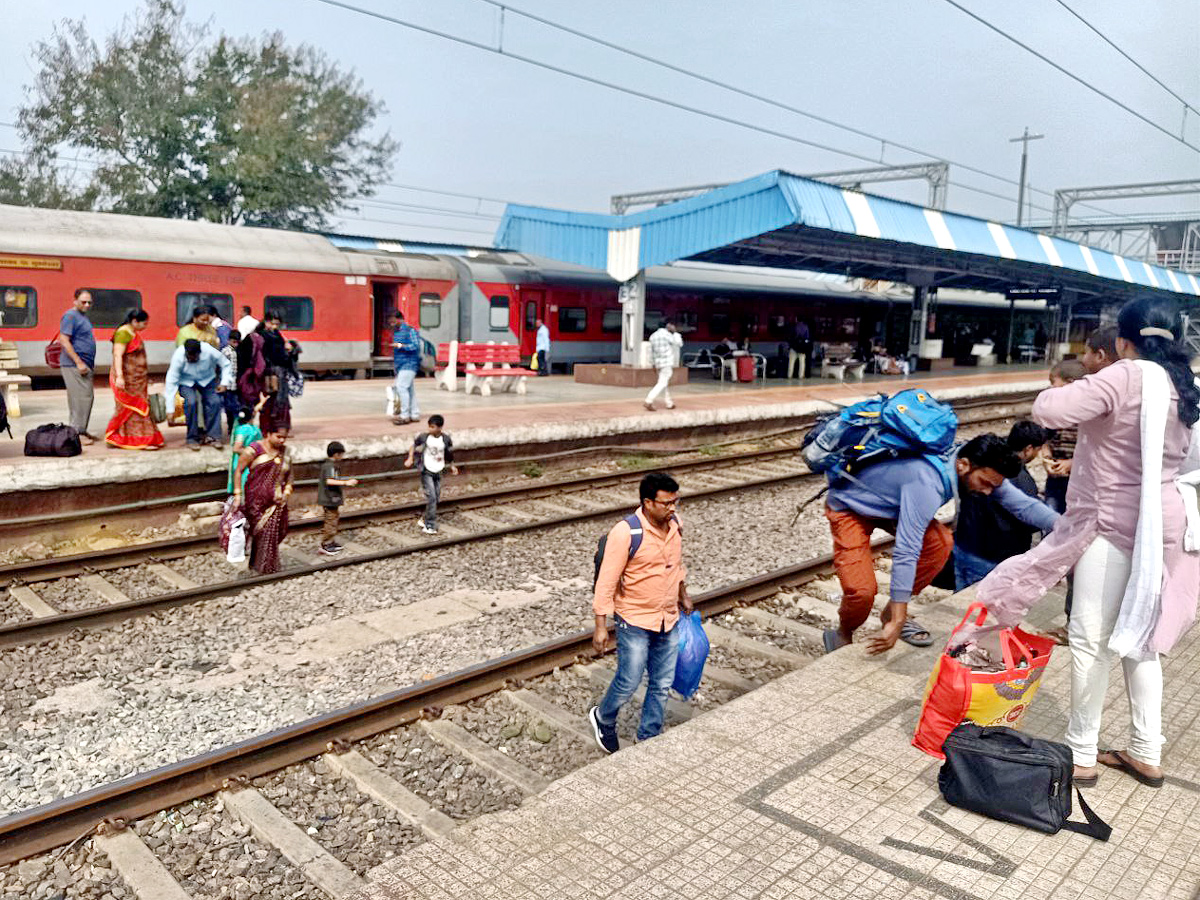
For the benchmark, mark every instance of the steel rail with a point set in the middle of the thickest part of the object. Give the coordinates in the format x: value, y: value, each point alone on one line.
x: 62, y: 821
x: 108, y: 614
x: 175, y: 548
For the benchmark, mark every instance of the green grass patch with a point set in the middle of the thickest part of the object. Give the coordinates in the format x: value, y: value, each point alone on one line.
x: 635, y: 461
x: 532, y: 470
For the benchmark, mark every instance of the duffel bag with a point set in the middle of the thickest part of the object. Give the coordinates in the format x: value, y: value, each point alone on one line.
x: 1010, y: 776
x: 53, y: 440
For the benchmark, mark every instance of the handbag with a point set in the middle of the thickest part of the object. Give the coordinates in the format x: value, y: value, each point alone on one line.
x: 158, y: 407
x: 295, y: 383
x: 1010, y: 776
x: 53, y: 353
x: 956, y: 692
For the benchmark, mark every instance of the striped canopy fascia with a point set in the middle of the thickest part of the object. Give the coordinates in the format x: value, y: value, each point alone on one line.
x: 784, y: 220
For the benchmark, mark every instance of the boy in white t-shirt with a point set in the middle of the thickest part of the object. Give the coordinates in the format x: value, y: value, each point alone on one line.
x: 432, y: 452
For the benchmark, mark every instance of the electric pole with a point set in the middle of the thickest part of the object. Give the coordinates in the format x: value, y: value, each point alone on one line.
x: 1024, y: 139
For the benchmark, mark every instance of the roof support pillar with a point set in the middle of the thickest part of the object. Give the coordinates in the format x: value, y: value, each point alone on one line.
x: 632, y: 297
x: 923, y: 295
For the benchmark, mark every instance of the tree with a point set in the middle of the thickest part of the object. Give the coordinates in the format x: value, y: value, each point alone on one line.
x: 240, y: 131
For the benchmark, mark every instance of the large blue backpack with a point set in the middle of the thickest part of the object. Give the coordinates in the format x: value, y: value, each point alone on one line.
x: 910, y: 424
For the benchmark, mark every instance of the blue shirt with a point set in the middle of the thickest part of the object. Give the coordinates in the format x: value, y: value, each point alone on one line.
x: 909, y: 492
x: 406, y: 348
x: 543, y: 338
x: 204, y: 370
x: 77, y: 329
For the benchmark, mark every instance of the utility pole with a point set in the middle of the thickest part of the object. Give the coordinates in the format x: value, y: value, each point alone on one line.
x: 1024, y: 139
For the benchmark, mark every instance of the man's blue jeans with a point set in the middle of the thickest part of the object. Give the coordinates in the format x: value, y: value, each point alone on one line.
x: 969, y: 568
x: 637, y: 650
x: 194, y: 397
x: 407, y: 392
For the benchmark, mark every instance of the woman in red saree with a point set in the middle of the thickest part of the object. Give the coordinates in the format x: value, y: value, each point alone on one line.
x: 268, y: 487
x: 131, y: 428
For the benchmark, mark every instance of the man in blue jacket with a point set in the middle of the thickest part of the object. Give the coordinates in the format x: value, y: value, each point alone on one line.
x: 902, y: 496
x: 406, y: 358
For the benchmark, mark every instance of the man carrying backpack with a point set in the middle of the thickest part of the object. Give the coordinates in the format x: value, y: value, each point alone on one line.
x: 902, y: 496
x: 641, y: 581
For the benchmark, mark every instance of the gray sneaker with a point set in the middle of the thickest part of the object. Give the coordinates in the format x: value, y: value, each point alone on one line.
x: 606, y: 735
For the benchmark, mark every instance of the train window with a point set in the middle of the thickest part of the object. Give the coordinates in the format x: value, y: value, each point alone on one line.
x: 186, y: 303
x: 109, y: 307
x: 611, y: 322
x: 718, y: 325
x: 654, y: 320
x: 686, y: 321
x: 18, y: 308
x: 530, y: 315
x: 777, y: 326
x: 498, y: 313
x: 295, y: 313
x: 431, y: 311
x: 572, y: 319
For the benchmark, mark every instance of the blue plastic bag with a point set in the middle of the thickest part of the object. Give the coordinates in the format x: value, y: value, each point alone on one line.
x: 693, y: 651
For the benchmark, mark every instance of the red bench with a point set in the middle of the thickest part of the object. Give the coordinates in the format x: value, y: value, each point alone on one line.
x: 478, y: 363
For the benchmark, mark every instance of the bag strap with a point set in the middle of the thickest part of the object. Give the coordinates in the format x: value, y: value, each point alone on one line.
x: 635, y: 533
x: 978, y: 610
x: 1094, y: 827
x: 1009, y: 641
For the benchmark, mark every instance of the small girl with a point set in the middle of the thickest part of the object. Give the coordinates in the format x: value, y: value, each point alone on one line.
x: 242, y: 435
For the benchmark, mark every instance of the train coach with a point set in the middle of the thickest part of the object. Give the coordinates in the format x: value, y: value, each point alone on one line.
x: 333, y: 293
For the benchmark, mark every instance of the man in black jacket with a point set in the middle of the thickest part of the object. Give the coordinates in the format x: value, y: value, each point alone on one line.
x: 986, y: 533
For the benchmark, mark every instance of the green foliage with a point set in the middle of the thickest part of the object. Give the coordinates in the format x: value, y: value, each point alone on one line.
x: 710, y: 450
x: 532, y: 470
x: 635, y: 461
x: 241, y: 131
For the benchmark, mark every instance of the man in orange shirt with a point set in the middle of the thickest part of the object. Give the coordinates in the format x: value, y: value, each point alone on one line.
x: 642, y: 583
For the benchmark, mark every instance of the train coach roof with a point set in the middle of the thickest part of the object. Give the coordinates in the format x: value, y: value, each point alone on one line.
x: 99, y: 235
x: 783, y: 220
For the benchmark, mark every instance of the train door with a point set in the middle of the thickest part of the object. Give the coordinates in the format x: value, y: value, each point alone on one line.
x: 533, y: 307
x: 385, y: 297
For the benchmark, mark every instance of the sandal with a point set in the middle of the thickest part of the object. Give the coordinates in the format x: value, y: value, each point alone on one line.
x: 911, y: 631
x: 1087, y: 781
x: 1130, y: 769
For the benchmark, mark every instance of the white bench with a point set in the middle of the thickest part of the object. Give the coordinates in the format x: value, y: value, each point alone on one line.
x: 10, y: 382
x: 839, y: 363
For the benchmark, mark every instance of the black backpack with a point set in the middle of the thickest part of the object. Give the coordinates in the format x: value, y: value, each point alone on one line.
x: 635, y: 541
x: 53, y: 440
x: 4, y: 426
x: 1010, y: 776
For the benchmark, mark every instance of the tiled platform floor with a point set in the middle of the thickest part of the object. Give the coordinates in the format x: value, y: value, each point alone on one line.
x: 808, y: 788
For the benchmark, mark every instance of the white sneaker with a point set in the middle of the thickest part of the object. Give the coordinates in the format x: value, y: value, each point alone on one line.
x: 425, y: 529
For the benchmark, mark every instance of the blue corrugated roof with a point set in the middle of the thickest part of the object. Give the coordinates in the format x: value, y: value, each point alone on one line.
x: 788, y: 207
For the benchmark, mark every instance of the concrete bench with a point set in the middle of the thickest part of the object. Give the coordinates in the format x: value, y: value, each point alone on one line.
x: 839, y: 363
x: 479, y: 363
x: 10, y: 380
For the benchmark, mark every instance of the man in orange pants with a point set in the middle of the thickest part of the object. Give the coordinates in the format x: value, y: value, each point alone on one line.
x: 902, y: 496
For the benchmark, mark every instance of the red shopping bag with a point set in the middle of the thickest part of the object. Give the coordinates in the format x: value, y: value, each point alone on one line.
x: 956, y: 693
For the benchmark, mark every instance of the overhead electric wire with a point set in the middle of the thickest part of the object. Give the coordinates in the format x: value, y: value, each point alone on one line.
x: 423, y: 210
x: 1100, y: 34
x: 347, y: 217
x: 1076, y: 78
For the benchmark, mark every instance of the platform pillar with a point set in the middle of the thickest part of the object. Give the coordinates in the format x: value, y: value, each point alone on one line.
x: 632, y: 297
x: 918, y: 323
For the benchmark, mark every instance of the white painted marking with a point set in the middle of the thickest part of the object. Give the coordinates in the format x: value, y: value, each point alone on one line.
x: 1174, y: 281
x: 1195, y: 283
x: 860, y: 211
x: 1050, y: 250
x: 1089, y: 260
x: 1150, y: 274
x: 1124, y: 268
x: 941, y: 234
x: 1003, y: 244
x: 624, y: 249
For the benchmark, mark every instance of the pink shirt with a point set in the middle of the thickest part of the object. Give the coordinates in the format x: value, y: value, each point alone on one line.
x: 1103, y: 499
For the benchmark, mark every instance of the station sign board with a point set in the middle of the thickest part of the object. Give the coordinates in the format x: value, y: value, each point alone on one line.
x: 8, y: 261
x: 1050, y: 294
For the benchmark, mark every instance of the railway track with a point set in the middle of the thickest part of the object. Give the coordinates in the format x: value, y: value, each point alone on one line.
x: 103, y: 600
x: 508, y: 726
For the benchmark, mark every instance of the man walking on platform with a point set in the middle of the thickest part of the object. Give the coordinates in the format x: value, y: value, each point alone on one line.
x: 406, y: 359
x: 665, y: 346
x: 641, y: 581
x: 78, y: 363
x: 199, y: 373
x: 799, y: 346
x: 543, y: 348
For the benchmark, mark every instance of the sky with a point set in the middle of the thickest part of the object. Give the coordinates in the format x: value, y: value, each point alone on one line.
x: 920, y: 73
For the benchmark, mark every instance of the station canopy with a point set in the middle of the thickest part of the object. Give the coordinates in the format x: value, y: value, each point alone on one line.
x: 782, y: 220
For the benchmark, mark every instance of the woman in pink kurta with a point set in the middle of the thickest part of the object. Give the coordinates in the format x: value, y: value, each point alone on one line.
x: 1096, y: 537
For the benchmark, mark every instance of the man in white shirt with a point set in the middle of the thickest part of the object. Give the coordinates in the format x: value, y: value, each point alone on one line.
x: 247, y: 323
x: 666, y: 344
x: 543, y: 348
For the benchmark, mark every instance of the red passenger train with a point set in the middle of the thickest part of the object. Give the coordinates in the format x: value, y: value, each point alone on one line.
x: 333, y: 293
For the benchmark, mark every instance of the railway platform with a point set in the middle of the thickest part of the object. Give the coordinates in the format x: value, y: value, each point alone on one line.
x: 555, y: 411
x: 808, y: 788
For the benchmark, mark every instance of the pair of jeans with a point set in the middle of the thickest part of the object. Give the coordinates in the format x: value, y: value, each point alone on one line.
x: 640, y: 650
x: 543, y: 367
x: 1056, y: 492
x: 1100, y: 578
x: 407, y: 392
x: 80, y: 396
x: 664, y: 379
x: 431, y: 484
x: 197, y: 399
x: 969, y: 568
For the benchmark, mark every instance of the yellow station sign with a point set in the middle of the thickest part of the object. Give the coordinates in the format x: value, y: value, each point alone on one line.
x: 29, y: 262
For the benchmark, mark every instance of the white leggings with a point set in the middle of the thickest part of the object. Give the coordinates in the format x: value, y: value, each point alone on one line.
x: 1100, y: 578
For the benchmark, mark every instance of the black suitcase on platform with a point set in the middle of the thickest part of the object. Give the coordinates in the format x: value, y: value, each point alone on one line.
x: 1010, y: 776
x: 53, y: 440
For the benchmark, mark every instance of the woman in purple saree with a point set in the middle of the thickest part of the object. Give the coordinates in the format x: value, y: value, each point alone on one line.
x: 268, y: 487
